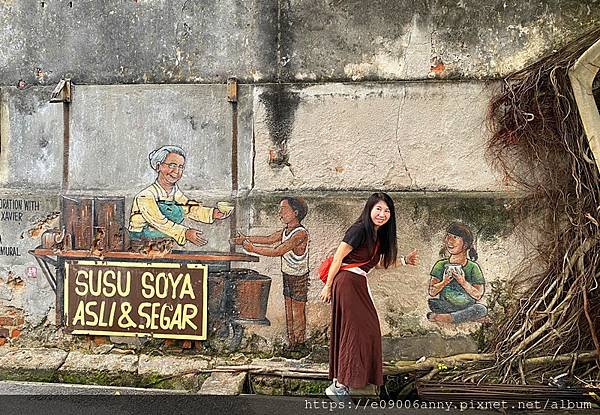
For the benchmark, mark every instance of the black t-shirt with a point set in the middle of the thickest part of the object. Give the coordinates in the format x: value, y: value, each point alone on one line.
x: 356, y: 236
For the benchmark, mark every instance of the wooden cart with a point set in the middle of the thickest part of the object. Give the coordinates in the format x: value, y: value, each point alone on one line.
x: 229, y: 300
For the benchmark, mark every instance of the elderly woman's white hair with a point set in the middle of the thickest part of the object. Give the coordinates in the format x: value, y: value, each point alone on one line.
x: 160, y: 154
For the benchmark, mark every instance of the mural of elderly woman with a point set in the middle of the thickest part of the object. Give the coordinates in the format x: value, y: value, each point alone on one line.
x: 457, y: 281
x: 158, y: 211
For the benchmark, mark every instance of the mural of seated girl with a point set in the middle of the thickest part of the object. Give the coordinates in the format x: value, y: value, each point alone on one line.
x: 457, y: 284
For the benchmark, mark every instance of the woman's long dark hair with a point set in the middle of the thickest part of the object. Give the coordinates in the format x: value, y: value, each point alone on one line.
x: 388, y: 244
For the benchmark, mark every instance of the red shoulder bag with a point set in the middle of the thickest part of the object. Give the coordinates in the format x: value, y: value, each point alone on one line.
x: 326, y: 264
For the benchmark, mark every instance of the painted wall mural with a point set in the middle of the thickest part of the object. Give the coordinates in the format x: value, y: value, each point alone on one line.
x: 94, y: 232
x: 104, y: 235
x: 457, y: 284
x: 291, y: 244
x: 158, y: 211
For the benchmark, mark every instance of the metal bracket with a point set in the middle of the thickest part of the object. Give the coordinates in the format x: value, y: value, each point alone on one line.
x: 62, y: 92
x: 232, y: 90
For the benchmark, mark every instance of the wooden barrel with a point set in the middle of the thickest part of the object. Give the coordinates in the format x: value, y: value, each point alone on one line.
x: 250, y: 296
x: 216, y: 294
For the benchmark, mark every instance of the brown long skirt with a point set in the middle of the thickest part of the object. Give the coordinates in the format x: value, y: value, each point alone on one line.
x: 355, y: 342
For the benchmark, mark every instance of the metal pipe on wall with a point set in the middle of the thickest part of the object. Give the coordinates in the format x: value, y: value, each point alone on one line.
x: 232, y: 97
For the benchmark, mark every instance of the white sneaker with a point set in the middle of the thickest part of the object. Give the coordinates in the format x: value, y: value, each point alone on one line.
x: 338, y: 393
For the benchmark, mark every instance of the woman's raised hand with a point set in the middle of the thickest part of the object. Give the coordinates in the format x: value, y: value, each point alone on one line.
x: 412, y: 258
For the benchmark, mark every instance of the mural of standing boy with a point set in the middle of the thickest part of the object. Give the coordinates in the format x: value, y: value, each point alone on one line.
x: 291, y: 244
x: 457, y: 282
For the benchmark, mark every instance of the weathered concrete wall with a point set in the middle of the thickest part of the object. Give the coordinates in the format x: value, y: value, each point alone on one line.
x: 389, y: 39
x: 109, y: 122
x: 30, y: 175
x: 400, y: 294
x: 330, y: 143
x: 136, y: 42
x: 373, y: 136
x: 26, y: 297
x: 31, y: 139
x: 411, y: 122
x: 181, y: 41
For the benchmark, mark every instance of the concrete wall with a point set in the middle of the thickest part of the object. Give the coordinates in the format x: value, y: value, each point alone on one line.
x: 337, y: 99
x: 136, y: 42
x: 373, y: 136
x: 400, y: 294
x: 26, y: 299
x: 332, y: 144
x: 148, y: 41
x: 31, y: 139
x: 134, y: 120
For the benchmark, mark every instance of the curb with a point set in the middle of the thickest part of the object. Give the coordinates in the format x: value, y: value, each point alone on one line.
x: 194, y: 374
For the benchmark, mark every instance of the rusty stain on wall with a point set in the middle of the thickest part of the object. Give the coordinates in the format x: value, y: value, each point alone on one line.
x: 14, y: 281
x: 281, y: 105
x: 438, y: 69
x: 49, y: 222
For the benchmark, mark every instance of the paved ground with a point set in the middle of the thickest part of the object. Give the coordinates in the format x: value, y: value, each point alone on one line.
x: 32, y: 398
x: 52, y: 389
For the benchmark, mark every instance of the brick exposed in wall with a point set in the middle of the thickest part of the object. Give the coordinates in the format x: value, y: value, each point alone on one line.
x: 12, y: 321
x: 7, y: 321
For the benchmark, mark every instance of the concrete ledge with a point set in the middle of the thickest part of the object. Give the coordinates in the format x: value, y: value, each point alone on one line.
x: 108, y: 369
x: 278, y: 385
x: 169, y: 372
x: 276, y: 376
x: 283, y: 363
x: 31, y: 364
x: 224, y: 383
x: 432, y: 344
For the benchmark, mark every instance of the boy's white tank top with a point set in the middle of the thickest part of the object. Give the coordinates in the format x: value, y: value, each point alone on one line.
x: 291, y: 263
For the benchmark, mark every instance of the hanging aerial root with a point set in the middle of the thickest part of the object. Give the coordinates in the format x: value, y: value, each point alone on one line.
x: 539, y: 144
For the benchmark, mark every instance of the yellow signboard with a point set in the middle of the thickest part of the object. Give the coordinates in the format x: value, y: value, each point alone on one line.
x: 162, y: 300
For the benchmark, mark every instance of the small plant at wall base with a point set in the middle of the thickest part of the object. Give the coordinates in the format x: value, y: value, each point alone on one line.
x: 539, y: 143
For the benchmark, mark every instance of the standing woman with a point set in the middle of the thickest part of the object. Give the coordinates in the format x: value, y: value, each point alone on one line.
x: 355, y: 358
